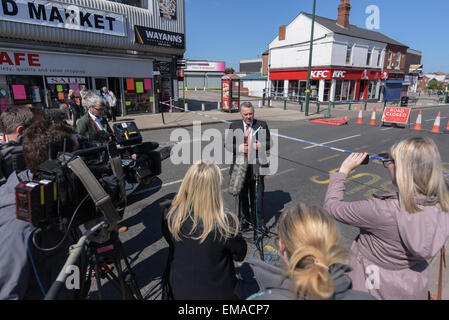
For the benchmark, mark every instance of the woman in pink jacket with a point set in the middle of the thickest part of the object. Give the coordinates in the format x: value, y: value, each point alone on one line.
x: 400, y: 231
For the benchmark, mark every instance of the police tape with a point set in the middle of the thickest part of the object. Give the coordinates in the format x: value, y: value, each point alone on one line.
x: 280, y: 135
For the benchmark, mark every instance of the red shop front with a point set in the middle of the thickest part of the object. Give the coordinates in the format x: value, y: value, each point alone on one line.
x: 333, y: 83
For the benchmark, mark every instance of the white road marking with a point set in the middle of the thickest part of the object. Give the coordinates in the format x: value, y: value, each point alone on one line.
x: 357, y: 135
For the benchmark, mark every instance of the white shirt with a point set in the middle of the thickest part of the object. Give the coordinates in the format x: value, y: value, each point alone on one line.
x: 97, y: 120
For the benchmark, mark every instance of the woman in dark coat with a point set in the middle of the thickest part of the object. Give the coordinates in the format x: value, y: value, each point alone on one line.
x: 203, y: 239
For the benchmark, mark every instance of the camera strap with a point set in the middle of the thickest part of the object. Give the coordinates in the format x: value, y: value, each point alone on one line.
x: 99, y: 196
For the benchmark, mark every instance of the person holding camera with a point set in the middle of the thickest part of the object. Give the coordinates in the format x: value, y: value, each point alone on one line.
x: 26, y: 271
x: 314, y: 257
x: 400, y: 231
x: 93, y: 125
x: 203, y: 239
x: 13, y: 122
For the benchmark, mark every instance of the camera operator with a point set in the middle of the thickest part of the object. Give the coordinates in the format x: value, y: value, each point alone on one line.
x: 13, y: 121
x: 93, y: 125
x: 27, y: 272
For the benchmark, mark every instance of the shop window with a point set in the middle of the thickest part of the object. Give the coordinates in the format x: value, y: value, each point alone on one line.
x: 302, y: 88
x: 352, y: 85
x: 58, y: 90
x: 293, y: 89
x: 26, y: 90
x: 326, y: 90
x: 344, y: 90
x: 338, y: 90
x: 138, y: 95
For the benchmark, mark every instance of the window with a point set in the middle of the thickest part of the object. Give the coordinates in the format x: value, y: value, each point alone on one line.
x: 379, y: 54
x: 389, y: 60
x: 368, y: 57
x: 348, y: 54
x: 398, y: 60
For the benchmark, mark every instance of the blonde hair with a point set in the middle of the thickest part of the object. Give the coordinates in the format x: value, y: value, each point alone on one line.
x: 312, y: 241
x: 418, y: 171
x: 199, y: 198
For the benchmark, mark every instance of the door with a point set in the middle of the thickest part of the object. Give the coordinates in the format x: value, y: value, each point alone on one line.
x: 98, y: 83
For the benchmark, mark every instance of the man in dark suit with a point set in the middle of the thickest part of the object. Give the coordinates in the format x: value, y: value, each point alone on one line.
x: 93, y: 124
x: 256, y: 142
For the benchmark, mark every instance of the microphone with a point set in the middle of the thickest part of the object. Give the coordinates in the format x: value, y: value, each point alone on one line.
x: 238, y: 177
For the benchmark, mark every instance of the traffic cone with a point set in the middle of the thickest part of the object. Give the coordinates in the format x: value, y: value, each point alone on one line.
x: 372, y: 122
x: 360, y: 117
x: 418, y: 121
x: 436, y: 125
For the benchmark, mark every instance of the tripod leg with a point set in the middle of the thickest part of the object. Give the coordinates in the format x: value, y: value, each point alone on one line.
x: 98, y: 280
x: 132, y: 280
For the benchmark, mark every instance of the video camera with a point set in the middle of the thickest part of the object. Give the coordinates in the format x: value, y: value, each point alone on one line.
x: 58, y: 195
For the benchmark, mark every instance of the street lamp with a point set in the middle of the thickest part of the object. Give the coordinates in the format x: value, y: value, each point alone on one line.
x: 310, y: 60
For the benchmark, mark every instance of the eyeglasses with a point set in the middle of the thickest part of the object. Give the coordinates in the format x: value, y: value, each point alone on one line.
x: 99, y: 109
x: 387, y: 162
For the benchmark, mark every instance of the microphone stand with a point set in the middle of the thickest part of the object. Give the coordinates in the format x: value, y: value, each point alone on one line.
x: 258, y: 232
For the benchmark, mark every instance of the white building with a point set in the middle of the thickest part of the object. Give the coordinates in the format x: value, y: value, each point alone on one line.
x: 347, y: 61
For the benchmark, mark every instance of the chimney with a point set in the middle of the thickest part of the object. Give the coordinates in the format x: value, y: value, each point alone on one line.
x: 343, y: 13
x: 282, y: 32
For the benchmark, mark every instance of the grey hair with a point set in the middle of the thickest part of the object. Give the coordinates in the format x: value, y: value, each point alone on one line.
x: 91, y: 99
x: 246, y: 104
x: 15, y: 116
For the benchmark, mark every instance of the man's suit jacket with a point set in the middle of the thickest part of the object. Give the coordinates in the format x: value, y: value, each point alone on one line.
x: 88, y: 128
x: 232, y: 145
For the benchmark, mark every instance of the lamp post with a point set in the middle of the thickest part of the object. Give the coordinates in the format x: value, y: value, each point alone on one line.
x: 310, y: 60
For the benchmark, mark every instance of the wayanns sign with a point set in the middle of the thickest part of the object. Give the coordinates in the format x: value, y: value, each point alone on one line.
x: 158, y: 37
x: 60, y: 15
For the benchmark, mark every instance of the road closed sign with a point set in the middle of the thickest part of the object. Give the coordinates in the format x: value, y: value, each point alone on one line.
x: 396, y: 115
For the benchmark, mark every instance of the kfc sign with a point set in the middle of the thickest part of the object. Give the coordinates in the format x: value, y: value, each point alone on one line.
x: 320, y: 74
x: 339, y: 74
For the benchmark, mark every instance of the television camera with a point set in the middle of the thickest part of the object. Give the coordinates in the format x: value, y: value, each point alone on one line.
x: 87, y: 187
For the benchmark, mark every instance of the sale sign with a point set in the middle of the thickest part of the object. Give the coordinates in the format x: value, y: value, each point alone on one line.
x: 396, y: 115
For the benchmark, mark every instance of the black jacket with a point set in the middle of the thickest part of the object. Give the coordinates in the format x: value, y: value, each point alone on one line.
x: 236, y: 128
x: 201, y: 271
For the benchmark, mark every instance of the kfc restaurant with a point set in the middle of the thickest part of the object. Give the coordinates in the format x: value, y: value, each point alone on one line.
x: 334, y: 84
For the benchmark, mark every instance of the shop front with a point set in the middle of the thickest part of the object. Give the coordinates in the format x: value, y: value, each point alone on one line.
x: 44, y: 78
x: 334, y: 84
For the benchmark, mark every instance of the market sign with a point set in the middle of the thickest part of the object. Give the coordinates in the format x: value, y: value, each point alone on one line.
x: 396, y: 115
x: 157, y: 37
x: 62, y: 15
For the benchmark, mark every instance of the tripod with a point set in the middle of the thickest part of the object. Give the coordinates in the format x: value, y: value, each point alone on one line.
x: 99, y: 255
x: 102, y: 259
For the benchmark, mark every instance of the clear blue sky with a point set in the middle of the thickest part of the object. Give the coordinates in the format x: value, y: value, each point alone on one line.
x: 234, y: 30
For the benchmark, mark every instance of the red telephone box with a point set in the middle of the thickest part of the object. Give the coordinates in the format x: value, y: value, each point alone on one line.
x: 230, y: 92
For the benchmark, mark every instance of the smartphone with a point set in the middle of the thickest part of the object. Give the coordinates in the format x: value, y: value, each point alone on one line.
x: 366, y: 160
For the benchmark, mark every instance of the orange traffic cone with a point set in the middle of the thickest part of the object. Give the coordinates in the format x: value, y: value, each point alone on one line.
x: 418, y: 121
x: 436, y: 125
x: 360, y: 117
x: 372, y: 122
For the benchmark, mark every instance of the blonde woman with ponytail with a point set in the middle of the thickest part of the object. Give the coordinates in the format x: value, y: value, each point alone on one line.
x: 203, y: 239
x: 314, y: 258
x: 400, y: 231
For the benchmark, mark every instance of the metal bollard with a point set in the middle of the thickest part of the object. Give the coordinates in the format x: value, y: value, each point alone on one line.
x: 329, y: 109
x: 318, y: 107
x: 366, y: 102
x: 186, y: 107
x: 218, y: 105
x: 349, y: 106
x: 300, y: 103
x: 285, y: 104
